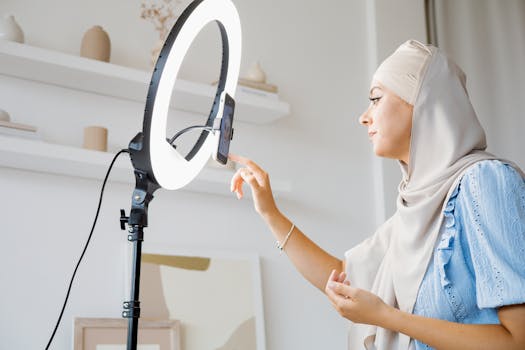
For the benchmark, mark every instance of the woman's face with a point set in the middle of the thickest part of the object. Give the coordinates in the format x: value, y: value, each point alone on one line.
x: 389, y: 122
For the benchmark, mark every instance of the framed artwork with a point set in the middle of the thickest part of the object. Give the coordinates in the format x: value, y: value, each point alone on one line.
x: 111, y: 334
x: 216, y: 296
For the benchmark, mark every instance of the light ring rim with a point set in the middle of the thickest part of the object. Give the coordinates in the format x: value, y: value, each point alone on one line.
x: 184, y: 169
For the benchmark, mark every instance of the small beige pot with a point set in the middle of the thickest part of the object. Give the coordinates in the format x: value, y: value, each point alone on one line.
x: 96, y: 138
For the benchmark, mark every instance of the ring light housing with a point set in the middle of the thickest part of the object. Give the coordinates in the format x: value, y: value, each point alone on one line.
x: 150, y: 152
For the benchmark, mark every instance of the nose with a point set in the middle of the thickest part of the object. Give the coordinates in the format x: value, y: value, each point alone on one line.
x: 364, y: 118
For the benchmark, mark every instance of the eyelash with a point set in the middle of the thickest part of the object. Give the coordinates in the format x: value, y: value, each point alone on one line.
x: 374, y: 100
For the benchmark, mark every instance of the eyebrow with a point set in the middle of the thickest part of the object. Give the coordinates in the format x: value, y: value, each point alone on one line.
x: 372, y: 89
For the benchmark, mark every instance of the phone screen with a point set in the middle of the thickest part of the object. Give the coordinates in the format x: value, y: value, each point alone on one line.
x: 226, y: 130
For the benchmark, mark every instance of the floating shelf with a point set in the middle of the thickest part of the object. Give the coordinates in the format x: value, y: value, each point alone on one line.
x: 51, y: 67
x: 39, y: 156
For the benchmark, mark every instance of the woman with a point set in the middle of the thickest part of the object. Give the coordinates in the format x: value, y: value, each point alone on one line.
x: 447, y: 270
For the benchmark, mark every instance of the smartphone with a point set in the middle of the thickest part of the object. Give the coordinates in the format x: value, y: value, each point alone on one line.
x: 226, y: 130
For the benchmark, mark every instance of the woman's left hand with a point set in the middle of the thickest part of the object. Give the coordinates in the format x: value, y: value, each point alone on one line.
x: 357, y: 305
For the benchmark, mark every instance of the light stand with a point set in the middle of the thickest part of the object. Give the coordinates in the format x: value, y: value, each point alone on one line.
x: 137, y: 220
x: 156, y: 162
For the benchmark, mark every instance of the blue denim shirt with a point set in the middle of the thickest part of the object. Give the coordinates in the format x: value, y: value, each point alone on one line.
x: 478, y: 263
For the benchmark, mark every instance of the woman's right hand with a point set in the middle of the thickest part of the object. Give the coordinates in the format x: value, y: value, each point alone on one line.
x: 259, y: 182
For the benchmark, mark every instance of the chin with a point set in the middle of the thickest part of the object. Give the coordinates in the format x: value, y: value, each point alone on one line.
x: 387, y: 148
x: 383, y: 153
x: 380, y: 152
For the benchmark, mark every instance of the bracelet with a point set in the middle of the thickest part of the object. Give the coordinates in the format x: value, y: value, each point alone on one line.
x: 281, y: 246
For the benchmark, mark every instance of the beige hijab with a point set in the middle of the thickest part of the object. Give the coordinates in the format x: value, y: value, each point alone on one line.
x: 446, y: 139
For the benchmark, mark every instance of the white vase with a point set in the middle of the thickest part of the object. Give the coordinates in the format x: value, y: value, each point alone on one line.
x: 10, y: 30
x: 256, y: 73
x: 4, y: 116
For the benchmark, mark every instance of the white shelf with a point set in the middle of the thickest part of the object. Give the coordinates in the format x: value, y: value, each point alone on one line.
x: 39, y: 156
x: 51, y: 67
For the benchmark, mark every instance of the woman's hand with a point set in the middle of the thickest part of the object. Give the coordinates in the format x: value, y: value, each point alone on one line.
x: 259, y: 182
x: 357, y: 305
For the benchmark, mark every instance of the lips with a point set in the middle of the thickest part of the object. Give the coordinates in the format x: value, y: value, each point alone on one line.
x: 371, y: 134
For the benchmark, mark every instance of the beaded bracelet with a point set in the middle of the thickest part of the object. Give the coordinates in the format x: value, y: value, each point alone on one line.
x: 281, y: 246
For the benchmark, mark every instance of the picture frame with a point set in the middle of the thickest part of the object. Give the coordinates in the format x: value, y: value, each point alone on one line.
x: 176, y: 283
x: 111, y: 334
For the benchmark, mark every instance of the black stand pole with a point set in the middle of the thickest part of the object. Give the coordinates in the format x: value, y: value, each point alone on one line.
x: 137, y: 220
x: 132, y: 307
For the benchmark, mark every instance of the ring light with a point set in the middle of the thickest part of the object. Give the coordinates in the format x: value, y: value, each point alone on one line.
x: 156, y: 162
x: 152, y: 153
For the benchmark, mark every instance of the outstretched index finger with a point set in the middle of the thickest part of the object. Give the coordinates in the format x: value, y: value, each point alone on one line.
x: 250, y: 164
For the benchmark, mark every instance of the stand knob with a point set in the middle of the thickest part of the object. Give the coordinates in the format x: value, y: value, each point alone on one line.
x: 123, y: 219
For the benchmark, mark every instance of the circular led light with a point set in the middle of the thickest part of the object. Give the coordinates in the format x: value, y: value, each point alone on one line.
x: 167, y: 167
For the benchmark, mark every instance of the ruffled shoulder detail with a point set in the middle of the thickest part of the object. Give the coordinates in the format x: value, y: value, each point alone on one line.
x: 445, y: 246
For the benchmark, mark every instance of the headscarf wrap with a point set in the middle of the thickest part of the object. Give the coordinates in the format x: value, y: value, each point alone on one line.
x: 446, y: 139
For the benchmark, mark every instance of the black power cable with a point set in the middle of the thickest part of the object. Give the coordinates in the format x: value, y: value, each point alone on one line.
x: 87, y: 243
x: 185, y: 130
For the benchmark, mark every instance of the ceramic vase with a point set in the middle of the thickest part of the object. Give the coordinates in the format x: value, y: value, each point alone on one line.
x: 96, y: 138
x: 10, y: 30
x: 96, y: 44
x: 4, y: 116
x: 256, y: 73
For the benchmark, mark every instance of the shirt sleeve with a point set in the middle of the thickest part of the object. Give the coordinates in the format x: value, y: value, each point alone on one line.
x: 492, y: 205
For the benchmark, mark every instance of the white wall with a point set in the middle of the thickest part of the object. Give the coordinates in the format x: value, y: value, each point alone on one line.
x: 316, y: 53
